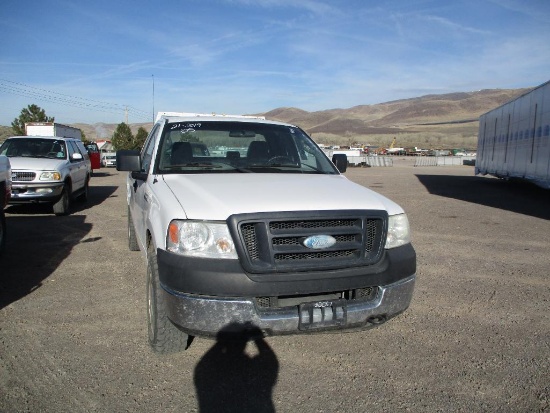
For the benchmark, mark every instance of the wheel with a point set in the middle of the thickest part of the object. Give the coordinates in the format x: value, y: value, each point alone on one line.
x: 62, y: 206
x: 2, y: 230
x: 164, y: 337
x: 132, y: 239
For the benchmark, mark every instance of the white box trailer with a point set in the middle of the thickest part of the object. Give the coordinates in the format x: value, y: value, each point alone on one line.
x: 514, y: 139
x: 52, y: 129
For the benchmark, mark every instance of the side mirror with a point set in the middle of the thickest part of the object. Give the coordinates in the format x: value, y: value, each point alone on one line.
x: 340, y: 160
x: 128, y: 160
x: 76, y: 157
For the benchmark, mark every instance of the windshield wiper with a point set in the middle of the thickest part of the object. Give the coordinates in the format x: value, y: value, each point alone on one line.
x: 194, y: 165
x: 283, y: 165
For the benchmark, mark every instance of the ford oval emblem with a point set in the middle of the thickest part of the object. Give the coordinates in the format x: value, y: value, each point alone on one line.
x: 318, y: 242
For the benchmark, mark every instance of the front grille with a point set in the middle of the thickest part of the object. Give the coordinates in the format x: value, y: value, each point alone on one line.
x: 276, y: 244
x: 316, y: 255
x: 23, y: 176
x: 330, y: 223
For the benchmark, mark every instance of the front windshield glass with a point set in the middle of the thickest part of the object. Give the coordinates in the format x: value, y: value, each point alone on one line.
x: 34, y: 148
x: 213, y: 147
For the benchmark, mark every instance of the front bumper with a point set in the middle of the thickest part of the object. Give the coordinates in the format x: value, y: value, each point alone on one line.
x: 207, y: 316
x: 30, y: 193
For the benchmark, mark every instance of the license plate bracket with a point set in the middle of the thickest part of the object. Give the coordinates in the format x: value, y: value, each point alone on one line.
x: 322, y: 314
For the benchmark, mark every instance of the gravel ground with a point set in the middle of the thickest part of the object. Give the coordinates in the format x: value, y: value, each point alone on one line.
x: 475, y: 339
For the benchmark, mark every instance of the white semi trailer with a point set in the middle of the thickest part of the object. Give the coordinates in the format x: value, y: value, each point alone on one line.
x: 52, y: 129
x: 514, y: 139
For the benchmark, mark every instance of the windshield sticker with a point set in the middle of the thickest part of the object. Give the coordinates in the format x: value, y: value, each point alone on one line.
x: 186, y: 126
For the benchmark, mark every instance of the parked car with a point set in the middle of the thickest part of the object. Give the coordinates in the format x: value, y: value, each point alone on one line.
x: 5, y: 194
x: 108, y: 159
x: 276, y: 241
x: 48, y: 169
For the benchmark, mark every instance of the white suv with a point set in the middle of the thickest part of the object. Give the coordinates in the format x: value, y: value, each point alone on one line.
x: 48, y: 169
x: 246, y: 225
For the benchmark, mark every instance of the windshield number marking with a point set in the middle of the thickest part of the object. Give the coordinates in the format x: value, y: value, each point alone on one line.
x: 188, y: 126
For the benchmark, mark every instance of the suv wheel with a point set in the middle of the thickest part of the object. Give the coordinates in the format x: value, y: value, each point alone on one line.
x: 62, y: 206
x: 164, y: 337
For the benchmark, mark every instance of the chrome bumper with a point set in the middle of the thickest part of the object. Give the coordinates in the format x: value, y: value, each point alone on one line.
x: 206, y: 316
x: 43, y: 192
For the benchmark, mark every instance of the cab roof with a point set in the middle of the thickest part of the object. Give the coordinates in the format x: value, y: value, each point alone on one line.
x: 186, y: 117
x: 65, y: 138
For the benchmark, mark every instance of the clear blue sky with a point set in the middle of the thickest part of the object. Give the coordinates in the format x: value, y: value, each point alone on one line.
x: 85, y: 61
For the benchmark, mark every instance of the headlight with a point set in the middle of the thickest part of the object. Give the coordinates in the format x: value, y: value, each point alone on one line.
x: 399, y: 232
x: 200, y: 239
x: 50, y: 176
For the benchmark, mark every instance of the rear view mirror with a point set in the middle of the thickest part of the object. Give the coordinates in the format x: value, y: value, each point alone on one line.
x: 242, y: 134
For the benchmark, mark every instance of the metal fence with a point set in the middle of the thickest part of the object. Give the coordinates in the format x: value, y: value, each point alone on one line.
x: 444, y: 160
x: 366, y: 160
x: 354, y: 159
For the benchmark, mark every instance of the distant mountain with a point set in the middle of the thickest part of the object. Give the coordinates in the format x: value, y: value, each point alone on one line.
x: 433, y: 121
x: 446, y: 120
x: 406, y: 115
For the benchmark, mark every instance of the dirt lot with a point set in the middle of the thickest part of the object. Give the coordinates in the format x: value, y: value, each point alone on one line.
x: 475, y: 339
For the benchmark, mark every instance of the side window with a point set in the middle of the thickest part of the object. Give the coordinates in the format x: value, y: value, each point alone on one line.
x: 82, y: 149
x: 147, y: 152
x: 72, y: 149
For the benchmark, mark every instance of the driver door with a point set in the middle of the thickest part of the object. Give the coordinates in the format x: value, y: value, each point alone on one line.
x: 139, y: 191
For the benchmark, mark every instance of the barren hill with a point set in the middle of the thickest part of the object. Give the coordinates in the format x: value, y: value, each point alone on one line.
x: 446, y: 120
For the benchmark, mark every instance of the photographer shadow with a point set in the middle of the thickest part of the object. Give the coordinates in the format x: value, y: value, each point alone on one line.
x: 238, y: 373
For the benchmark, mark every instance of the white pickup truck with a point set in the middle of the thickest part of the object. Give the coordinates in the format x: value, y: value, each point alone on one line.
x: 5, y: 193
x: 246, y: 225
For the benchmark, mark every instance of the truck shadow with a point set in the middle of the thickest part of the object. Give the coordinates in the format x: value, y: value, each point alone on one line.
x: 229, y: 379
x: 35, y: 247
x: 515, y: 196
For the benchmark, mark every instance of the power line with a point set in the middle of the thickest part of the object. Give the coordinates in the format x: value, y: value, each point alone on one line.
x: 24, y: 90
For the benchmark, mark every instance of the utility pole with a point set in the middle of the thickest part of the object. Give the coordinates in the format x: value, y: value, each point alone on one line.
x: 153, y: 76
x: 126, y: 114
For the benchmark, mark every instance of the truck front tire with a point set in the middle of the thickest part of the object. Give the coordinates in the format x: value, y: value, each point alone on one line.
x: 164, y: 336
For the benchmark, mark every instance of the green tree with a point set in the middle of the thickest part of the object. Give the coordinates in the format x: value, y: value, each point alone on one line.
x: 122, y: 137
x: 139, y: 140
x: 31, y: 113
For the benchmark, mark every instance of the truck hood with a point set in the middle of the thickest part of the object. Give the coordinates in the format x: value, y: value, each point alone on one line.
x: 217, y: 196
x: 35, y: 164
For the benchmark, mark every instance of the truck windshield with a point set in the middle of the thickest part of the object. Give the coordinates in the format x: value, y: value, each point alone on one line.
x: 34, y: 148
x: 221, y: 146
